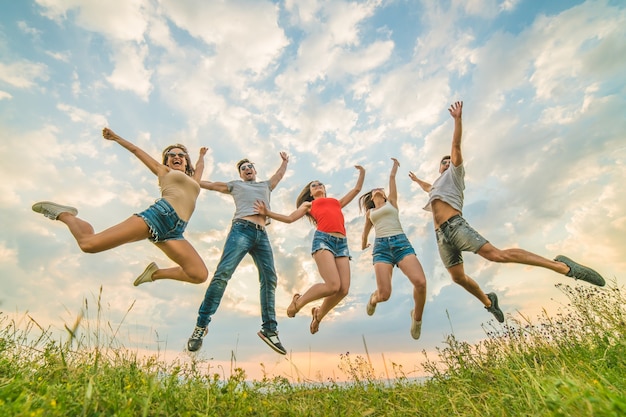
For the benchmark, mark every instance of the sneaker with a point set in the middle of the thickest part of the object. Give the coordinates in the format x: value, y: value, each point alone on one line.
x: 271, y: 338
x: 52, y: 210
x: 416, y: 327
x: 195, y: 341
x: 146, y: 275
x: 371, y: 308
x: 494, y: 308
x: 578, y: 271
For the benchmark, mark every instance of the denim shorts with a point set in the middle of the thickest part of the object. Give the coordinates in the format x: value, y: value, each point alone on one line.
x: 163, y: 222
x: 455, y: 236
x: 392, y: 249
x: 338, y: 246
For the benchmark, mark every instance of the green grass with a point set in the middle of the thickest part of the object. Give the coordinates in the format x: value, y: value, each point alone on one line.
x: 572, y: 363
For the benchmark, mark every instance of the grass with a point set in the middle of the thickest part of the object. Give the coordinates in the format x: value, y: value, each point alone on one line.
x: 569, y: 364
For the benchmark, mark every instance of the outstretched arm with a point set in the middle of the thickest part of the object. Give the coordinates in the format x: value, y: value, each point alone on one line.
x: 456, y: 111
x: 280, y: 172
x: 366, y: 230
x: 356, y: 190
x: 393, y: 190
x: 425, y: 186
x: 261, y: 208
x: 222, y: 187
x: 199, y: 168
x: 155, y: 166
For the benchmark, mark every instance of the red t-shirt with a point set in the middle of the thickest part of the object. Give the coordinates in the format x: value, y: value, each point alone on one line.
x: 327, y: 213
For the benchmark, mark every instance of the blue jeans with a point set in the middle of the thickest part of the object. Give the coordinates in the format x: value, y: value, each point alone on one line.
x: 163, y: 222
x: 244, y: 237
x: 392, y: 249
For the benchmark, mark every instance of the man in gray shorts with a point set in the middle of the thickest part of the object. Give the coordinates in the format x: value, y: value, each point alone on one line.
x: 247, y: 235
x: 455, y: 235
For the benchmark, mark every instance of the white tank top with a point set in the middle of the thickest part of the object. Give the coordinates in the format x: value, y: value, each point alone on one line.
x: 386, y: 221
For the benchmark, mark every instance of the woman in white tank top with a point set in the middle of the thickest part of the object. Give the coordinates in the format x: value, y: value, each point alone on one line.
x: 391, y: 247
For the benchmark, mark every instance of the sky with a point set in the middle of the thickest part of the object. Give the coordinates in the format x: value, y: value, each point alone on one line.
x: 334, y: 84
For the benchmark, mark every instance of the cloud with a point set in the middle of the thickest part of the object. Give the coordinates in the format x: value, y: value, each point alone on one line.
x: 23, y: 74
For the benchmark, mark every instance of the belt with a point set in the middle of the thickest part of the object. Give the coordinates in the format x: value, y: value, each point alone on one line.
x: 445, y: 224
x: 250, y: 224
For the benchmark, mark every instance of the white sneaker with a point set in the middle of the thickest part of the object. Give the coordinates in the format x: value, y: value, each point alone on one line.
x: 146, y: 275
x: 416, y: 327
x: 52, y: 210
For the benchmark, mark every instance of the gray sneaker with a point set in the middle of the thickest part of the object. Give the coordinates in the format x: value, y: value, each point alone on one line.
x: 146, y: 275
x: 52, y: 210
x: 494, y: 308
x: 578, y: 271
x: 416, y: 327
x: 272, y: 340
x: 195, y: 341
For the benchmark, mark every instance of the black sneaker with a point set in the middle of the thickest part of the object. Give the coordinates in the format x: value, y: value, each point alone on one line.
x: 494, y: 309
x: 272, y: 340
x: 195, y: 341
x: 578, y: 271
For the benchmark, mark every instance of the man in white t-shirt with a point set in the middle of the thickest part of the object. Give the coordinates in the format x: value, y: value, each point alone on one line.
x: 455, y: 235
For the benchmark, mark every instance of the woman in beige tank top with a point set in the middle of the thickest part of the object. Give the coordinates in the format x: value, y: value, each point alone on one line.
x: 163, y: 223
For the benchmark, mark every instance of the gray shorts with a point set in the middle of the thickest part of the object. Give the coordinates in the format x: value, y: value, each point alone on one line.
x: 455, y: 236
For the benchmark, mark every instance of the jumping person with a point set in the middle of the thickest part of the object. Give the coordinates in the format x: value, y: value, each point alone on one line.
x: 329, y: 247
x: 163, y: 223
x: 247, y: 235
x: 391, y: 248
x: 455, y: 235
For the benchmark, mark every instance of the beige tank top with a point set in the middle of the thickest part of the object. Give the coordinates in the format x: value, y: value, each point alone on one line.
x: 181, y: 191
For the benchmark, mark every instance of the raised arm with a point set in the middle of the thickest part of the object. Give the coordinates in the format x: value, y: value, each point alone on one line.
x: 155, y: 166
x: 199, y: 168
x: 280, y: 172
x: 261, y: 208
x: 425, y: 186
x: 357, y: 188
x: 366, y: 230
x: 456, y: 111
x: 393, y: 190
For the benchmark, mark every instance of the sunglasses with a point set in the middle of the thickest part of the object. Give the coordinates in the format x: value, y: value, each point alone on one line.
x: 445, y: 162
x: 316, y: 184
x: 246, y: 166
x: 178, y: 154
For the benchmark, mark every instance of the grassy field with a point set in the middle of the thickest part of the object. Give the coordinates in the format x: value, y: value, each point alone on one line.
x: 572, y: 363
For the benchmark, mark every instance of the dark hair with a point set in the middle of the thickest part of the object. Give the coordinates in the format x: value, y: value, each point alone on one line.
x: 305, y: 195
x: 366, y: 202
x: 444, y: 158
x: 189, y: 169
x: 243, y: 161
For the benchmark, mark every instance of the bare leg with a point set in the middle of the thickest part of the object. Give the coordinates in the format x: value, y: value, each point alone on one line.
x: 325, y: 261
x: 457, y: 272
x: 130, y: 230
x: 192, y: 269
x: 343, y: 267
x: 520, y: 256
x: 412, y: 268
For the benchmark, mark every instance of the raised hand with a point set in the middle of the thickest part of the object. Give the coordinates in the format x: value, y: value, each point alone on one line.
x: 456, y: 109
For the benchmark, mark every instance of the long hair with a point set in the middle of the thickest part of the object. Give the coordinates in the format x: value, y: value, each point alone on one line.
x: 189, y: 169
x: 366, y: 202
x: 305, y: 195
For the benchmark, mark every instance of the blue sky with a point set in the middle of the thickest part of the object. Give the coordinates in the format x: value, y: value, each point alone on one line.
x: 333, y: 84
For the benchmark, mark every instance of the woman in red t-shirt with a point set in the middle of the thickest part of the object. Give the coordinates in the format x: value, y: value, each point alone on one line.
x: 329, y: 248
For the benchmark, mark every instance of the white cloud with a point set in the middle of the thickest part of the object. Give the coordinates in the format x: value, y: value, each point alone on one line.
x: 23, y: 74
x: 130, y: 72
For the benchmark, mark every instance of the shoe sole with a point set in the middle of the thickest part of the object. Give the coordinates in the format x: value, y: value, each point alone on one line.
x: 270, y: 344
x: 150, y: 269
x: 38, y: 207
